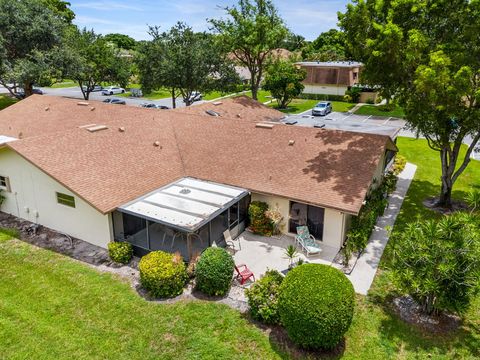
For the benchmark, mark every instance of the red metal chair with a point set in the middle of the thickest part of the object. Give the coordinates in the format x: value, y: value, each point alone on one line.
x: 244, y: 273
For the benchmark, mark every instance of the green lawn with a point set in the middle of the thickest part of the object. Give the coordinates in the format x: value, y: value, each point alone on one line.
x: 375, y: 111
x: 53, y: 307
x: 56, y: 308
x: 6, y: 101
x: 298, y: 106
x: 65, y: 84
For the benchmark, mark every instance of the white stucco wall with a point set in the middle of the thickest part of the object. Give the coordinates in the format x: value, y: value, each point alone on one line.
x: 32, y: 197
x: 334, y: 227
x: 324, y: 89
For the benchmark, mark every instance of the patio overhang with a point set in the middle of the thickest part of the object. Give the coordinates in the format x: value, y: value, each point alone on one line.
x: 186, y: 204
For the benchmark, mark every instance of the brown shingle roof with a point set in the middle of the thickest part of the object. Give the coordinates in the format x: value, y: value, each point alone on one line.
x: 109, y: 168
x: 240, y: 107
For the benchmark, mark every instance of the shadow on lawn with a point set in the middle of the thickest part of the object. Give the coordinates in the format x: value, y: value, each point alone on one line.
x: 412, y: 338
x: 286, y: 349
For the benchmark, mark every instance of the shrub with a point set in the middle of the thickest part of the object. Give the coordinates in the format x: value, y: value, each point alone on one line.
x: 120, y: 252
x: 325, y: 97
x: 399, y: 164
x: 437, y: 262
x: 316, y: 305
x: 260, y: 224
x: 163, y: 274
x: 473, y: 200
x: 214, y: 271
x: 354, y: 94
x: 192, y: 265
x: 263, y: 297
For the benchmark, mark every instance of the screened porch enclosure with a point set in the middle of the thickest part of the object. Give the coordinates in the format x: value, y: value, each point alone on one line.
x: 186, y: 217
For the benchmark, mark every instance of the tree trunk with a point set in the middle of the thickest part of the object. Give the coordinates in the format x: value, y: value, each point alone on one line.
x: 28, y: 89
x: 445, y: 199
x: 174, y: 99
x: 253, y: 86
x: 448, y: 160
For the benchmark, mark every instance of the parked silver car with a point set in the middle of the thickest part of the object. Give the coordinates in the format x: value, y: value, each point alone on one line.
x: 112, y: 90
x: 322, y: 108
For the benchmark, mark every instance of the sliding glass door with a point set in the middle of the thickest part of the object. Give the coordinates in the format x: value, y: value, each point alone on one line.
x: 311, y: 216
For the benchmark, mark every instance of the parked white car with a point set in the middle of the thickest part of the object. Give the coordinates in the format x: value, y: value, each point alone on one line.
x: 110, y: 90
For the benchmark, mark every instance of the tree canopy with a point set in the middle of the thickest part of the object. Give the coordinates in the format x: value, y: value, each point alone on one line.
x: 122, y: 41
x: 284, y: 81
x: 31, y: 47
x: 94, y: 60
x: 61, y: 9
x: 251, y: 32
x: 185, y: 62
x: 427, y: 55
x: 328, y: 46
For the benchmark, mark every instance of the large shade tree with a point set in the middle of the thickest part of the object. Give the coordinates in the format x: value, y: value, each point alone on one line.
x: 252, y: 30
x: 31, y: 47
x: 328, y: 46
x: 94, y: 61
x: 185, y: 62
x: 427, y: 55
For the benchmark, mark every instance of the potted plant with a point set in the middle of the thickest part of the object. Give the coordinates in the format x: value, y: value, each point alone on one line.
x: 291, y: 253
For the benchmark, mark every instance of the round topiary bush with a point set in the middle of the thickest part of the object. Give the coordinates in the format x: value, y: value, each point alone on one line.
x: 214, y: 271
x: 316, y: 305
x: 120, y: 252
x: 163, y: 274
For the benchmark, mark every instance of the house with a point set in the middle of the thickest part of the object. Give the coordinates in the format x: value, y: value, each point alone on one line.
x: 102, y: 173
x: 330, y: 78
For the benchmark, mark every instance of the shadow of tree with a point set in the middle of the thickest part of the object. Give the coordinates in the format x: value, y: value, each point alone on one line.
x: 359, y: 154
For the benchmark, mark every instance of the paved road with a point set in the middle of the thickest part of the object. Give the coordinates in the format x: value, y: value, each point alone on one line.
x: 74, y: 92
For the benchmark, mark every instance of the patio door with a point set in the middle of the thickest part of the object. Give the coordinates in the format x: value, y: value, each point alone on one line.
x: 311, y: 216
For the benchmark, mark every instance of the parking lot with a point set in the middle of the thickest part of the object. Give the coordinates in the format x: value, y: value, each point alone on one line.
x: 350, y: 122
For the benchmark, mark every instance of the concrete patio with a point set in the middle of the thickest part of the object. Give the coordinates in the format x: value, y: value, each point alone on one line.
x: 261, y: 253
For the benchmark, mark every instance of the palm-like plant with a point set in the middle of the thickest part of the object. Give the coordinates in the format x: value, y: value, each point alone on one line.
x: 473, y: 200
x: 291, y: 253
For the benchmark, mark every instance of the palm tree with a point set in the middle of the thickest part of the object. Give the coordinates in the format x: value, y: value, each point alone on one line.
x: 291, y: 253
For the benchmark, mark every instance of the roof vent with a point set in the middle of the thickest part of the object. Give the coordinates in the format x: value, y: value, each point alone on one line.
x: 212, y: 113
x: 121, y: 129
x: 83, y: 103
x: 216, y: 103
x: 264, y: 125
x: 239, y: 116
x: 92, y: 108
x: 185, y: 191
x: 96, y: 128
x: 291, y: 142
x: 156, y: 143
x: 47, y: 108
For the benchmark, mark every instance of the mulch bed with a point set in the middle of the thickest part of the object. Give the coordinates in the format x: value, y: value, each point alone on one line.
x: 409, y: 311
x: 431, y: 203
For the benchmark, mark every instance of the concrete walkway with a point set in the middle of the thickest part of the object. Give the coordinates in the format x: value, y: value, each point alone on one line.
x: 366, y: 267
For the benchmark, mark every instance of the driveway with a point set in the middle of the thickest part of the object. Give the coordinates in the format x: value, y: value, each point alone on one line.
x: 350, y: 122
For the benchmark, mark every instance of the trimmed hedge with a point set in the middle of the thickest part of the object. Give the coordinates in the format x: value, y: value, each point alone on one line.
x: 214, y: 272
x: 260, y: 224
x: 316, y: 304
x: 163, y: 274
x: 321, y: 97
x: 120, y: 252
x: 263, y: 297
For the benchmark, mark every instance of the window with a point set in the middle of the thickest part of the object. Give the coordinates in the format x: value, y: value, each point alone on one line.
x: 65, y: 199
x: 303, y: 214
x: 4, y: 183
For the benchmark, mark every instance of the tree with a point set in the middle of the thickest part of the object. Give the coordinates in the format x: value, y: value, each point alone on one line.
x: 94, y: 60
x: 121, y: 41
x: 62, y: 9
x: 184, y: 62
x: 328, y: 46
x: 427, y: 55
x: 251, y: 33
x: 284, y: 81
x: 31, y: 49
x: 437, y: 262
x: 293, y: 42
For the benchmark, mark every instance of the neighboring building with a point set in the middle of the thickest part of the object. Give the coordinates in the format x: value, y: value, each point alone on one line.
x: 330, y: 78
x: 101, y: 172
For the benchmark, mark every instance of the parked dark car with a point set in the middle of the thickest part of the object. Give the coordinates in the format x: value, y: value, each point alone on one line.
x: 322, y: 108
x: 21, y: 93
x: 115, y: 101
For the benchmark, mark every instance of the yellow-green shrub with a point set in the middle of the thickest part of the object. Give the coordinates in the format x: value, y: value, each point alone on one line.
x: 120, y: 252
